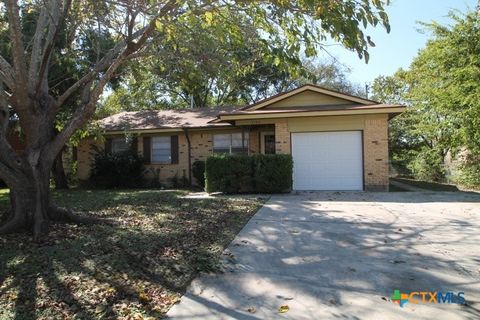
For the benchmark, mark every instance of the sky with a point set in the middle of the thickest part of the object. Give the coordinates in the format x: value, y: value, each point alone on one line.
x: 397, y: 49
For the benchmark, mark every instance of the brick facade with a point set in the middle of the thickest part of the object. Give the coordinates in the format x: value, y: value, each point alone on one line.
x: 282, y: 137
x: 167, y: 172
x: 375, y: 144
x: 85, y: 155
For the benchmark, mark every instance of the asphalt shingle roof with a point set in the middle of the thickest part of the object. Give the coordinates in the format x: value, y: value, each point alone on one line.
x: 165, y: 119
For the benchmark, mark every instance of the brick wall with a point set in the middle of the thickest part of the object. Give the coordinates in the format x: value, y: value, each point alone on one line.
x: 375, y: 141
x: 85, y: 155
x: 168, y: 171
x: 282, y: 136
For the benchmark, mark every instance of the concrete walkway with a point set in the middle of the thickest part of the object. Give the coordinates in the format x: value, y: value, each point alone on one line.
x: 341, y: 256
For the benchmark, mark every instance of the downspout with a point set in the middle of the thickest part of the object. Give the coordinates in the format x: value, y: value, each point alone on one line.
x: 243, y: 139
x: 189, y: 146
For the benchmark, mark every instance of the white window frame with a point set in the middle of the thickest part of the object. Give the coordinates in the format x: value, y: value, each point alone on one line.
x: 168, y: 139
x: 246, y: 142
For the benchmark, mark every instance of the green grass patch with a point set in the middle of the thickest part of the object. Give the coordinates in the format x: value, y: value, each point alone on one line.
x: 135, y: 269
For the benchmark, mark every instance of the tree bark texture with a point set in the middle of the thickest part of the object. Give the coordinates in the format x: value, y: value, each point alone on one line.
x: 59, y: 176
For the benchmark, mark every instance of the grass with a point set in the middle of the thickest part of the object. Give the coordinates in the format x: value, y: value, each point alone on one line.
x: 135, y: 270
x: 432, y: 186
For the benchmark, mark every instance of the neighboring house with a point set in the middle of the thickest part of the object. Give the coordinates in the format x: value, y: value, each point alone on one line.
x: 338, y: 141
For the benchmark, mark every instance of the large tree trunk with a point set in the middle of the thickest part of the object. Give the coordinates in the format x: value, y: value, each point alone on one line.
x: 59, y: 176
x: 30, y: 198
x: 32, y: 208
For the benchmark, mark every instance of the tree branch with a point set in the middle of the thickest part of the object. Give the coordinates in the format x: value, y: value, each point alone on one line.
x: 18, y: 49
x: 8, y: 157
x: 6, y: 73
x: 99, y: 67
x: 36, y: 54
x: 54, y: 27
x: 111, y: 62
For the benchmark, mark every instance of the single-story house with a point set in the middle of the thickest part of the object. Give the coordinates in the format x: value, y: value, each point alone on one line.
x: 337, y: 141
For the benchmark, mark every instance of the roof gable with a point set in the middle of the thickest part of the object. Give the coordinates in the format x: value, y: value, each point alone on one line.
x: 308, y: 95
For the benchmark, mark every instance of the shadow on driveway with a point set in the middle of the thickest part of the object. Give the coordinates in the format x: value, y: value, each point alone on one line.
x: 340, y: 255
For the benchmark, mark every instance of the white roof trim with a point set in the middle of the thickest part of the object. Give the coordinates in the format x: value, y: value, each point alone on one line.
x: 286, y: 95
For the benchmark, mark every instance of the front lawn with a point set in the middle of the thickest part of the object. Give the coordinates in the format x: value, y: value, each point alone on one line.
x: 136, y: 269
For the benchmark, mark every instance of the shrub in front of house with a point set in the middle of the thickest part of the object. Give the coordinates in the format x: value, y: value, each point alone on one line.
x: 198, y: 172
x: 117, y: 170
x: 241, y: 174
x: 272, y: 173
x: 229, y: 174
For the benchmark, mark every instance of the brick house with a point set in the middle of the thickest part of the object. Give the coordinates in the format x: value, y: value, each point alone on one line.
x: 337, y: 141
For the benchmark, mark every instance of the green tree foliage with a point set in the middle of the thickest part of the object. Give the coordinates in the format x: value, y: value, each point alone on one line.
x: 236, y: 55
x: 441, y: 89
x: 145, y: 89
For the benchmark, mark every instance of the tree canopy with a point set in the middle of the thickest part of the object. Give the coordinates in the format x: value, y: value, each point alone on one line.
x: 441, y: 88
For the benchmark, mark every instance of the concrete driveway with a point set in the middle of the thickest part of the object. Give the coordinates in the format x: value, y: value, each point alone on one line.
x: 341, y: 256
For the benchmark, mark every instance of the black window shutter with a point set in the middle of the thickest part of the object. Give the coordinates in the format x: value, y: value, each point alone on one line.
x: 146, y: 150
x: 108, y: 145
x: 134, y: 145
x: 174, y: 149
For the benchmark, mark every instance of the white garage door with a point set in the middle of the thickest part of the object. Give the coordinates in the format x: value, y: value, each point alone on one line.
x: 327, y: 160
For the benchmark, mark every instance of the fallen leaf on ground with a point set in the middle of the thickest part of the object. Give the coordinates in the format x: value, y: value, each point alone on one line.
x: 252, y: 310
x: 283, y: 309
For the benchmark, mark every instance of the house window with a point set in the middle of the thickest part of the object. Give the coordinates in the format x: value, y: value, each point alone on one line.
x: 120, y: 145
x: 230, y: 143
x: 161, y: 150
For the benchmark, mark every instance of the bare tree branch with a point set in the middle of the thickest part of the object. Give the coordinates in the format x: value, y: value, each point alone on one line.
x: 55, y: 24
x: 6, y: 73
x: 7, y: 154
x: 36, y: 54
x: 18, y: 49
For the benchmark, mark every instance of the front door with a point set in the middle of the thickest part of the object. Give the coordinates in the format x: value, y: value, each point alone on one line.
x: 269, y: 143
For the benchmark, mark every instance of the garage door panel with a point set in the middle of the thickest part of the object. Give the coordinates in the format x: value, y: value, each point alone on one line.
x: 328, y: 160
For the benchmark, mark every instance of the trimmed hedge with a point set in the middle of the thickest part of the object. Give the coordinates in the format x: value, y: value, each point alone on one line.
x: 273, y: 173
x: 242, y: 174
